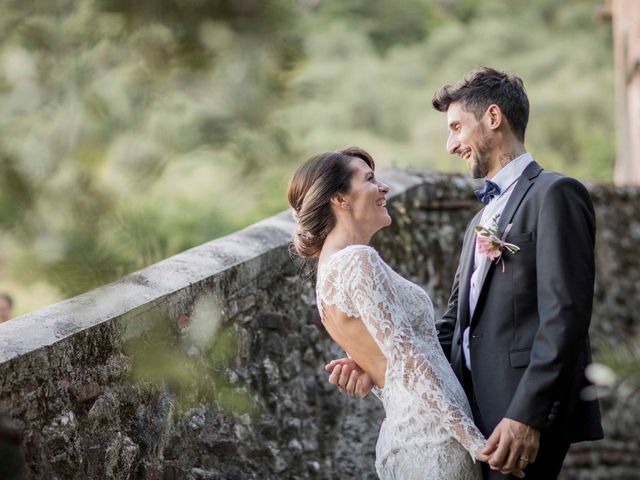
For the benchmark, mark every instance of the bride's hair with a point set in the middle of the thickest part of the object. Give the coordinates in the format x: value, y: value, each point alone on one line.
x: 310, y: 191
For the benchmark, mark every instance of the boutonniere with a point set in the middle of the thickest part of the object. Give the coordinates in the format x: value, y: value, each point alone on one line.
x: 492, y: 244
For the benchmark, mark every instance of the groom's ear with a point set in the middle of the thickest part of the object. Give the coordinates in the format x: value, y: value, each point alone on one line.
x: 493, y: 116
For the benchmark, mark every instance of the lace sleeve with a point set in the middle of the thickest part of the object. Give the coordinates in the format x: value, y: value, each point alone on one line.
x: 368, y: 292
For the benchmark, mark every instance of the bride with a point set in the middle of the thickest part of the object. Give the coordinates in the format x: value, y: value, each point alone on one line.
x: 384, y: 322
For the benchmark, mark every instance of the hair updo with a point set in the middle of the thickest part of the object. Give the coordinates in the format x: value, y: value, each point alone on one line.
x: 310, y: 191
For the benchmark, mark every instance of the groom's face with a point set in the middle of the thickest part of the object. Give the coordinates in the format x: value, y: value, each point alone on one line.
x: 470, y: 139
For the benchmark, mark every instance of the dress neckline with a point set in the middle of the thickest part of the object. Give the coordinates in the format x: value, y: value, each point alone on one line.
x: 335, y: 254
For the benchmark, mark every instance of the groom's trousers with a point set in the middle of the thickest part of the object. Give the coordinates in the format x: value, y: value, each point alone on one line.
x: 553, y: 448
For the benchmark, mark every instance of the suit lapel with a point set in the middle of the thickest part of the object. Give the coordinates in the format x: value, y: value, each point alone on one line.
x: 518, y: 194
x: 520, y: 190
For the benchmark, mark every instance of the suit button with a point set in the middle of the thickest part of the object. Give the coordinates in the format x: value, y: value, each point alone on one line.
x: 552, y: 416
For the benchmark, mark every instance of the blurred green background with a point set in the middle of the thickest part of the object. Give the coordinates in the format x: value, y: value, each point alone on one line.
x: 131, y: 131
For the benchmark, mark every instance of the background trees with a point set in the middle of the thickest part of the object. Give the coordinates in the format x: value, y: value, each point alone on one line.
x: 130, y: 131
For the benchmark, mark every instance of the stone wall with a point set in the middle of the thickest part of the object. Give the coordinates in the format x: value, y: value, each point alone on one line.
x: 208, y: 365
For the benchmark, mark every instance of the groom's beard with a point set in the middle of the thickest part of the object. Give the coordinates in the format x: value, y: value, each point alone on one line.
x: 480, y: 167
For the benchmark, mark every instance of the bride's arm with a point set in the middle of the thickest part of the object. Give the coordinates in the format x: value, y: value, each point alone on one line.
x: 438, y: 396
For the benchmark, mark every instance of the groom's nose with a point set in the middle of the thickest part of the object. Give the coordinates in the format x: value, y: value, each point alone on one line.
x: 452, y: 144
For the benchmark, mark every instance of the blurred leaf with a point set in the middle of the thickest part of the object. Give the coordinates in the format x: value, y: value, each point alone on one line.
x: 130, y: 131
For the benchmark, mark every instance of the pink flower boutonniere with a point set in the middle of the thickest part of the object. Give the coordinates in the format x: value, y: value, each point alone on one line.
x: 492, y: 244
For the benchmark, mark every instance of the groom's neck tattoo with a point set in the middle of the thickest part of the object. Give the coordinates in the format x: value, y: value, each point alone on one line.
x: 506, y: 158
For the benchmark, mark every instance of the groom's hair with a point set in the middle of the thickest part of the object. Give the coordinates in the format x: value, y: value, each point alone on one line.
x: 486, y: 86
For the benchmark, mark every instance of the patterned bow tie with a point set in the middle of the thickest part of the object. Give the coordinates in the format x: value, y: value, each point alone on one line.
x: 490, y: 190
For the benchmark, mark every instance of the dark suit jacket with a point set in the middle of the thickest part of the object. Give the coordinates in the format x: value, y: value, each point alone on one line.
x: 529, y: 341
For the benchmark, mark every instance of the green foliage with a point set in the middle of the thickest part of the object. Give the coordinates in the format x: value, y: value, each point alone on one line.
x: 622, y: 357
x: 160, y: 360
x: 124, y: 125
x: 130, y: 131
x: 346, y: 92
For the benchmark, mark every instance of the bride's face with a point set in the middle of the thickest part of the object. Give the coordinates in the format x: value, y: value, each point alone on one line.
x: 367, y: 198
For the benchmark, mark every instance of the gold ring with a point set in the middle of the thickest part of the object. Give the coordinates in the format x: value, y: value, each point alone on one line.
x: 524, y: 459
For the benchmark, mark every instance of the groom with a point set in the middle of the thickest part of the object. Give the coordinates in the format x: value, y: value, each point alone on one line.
x: 516, y: 328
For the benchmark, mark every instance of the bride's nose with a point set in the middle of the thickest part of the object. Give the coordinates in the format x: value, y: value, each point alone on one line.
x: 383, y: 187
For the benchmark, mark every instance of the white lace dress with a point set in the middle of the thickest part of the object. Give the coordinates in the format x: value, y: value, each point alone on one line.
x: 428, y: 432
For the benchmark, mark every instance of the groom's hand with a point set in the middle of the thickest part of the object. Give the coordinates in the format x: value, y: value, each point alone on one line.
x: 485, y: 458
x: 349, y: 378
x: 512, y: 446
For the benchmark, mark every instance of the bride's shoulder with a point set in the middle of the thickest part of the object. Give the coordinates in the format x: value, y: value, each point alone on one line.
x: 358, y: 253
x: 350, y: 256
x: 360, y: 249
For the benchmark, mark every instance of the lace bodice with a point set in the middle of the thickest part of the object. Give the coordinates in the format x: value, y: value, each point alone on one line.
x: 423, y: 400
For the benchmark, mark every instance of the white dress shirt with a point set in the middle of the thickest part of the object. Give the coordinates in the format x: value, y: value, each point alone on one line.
x: 506, y: 179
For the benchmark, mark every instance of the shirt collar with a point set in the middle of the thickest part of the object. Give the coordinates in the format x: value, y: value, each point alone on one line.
x: 508, y: 174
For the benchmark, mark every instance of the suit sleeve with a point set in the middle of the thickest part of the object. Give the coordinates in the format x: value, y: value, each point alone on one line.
x: 446, y: 326
x: 565, y: 267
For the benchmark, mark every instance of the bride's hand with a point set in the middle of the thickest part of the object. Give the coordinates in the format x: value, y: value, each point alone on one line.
x: 349, y: 377
x: 482, y: 457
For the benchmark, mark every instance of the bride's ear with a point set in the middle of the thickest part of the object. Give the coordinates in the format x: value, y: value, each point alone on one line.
x: 340, y: 202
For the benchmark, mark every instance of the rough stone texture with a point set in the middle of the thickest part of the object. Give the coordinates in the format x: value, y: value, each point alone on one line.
x: 208, y: 365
